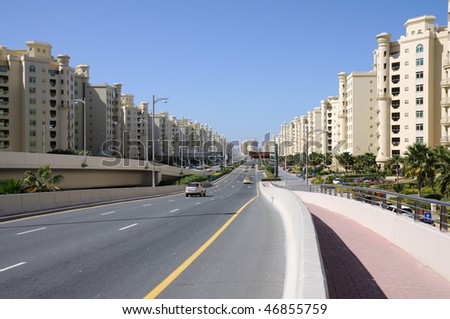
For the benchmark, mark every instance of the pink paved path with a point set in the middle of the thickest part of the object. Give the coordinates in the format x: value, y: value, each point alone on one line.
x: 361, y: 264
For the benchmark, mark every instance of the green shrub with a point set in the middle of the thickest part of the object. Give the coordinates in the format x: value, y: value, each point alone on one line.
x: 192, y: 178
x: 11, y: 186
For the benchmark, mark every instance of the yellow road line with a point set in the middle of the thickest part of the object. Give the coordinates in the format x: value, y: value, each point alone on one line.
x: 166, y: 282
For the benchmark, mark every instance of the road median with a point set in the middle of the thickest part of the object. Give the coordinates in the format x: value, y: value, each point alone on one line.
x: 305, y: 276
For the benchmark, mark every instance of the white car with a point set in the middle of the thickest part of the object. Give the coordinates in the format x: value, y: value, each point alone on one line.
x: 404, y: 210
x: 336, y: 181
x: 195, y: 188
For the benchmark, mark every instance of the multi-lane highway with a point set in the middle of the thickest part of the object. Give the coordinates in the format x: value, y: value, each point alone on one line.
x: 229, y: 244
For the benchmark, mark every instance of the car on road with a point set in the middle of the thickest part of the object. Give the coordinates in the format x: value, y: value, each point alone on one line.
x: 404, y: 210
x: 195, y: 188
x: 336, y: 181
x: 247, y: 180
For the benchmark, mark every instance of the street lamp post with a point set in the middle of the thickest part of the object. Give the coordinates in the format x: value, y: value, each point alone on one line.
x: 307, y: 151
x: 146, y: 144
x: 83, y: 164
x: 154, y: 101
x: 45, y: 136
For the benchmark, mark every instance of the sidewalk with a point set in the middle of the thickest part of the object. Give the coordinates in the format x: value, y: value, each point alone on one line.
x: 363, y: 265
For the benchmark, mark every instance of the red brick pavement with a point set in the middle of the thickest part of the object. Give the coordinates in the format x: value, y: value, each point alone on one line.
x: 361, y: 264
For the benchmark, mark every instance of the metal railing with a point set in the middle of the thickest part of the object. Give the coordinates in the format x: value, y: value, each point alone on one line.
x: 429, y: 211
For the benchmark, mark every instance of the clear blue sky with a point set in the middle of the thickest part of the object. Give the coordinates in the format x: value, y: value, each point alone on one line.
x: 241, y: 66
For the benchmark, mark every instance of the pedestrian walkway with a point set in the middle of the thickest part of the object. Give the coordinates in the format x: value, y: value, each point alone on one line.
x: 361, y: 264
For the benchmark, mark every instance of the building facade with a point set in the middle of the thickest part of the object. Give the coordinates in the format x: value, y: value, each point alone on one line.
x: 45, y: 105
x: 405, y: 99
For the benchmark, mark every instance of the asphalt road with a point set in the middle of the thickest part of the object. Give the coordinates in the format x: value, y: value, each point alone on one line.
x: 131, y: 249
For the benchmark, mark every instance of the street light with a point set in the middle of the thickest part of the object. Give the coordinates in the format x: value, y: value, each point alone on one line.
x: 154, y: 101
x: 83, y: 164
x: 45, y: 135
x: 146, y: 144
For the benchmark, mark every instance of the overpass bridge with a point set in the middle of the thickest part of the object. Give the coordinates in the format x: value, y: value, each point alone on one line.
x: 89, y: 172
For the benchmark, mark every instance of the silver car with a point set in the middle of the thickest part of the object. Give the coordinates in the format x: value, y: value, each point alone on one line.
x: 195, y: 188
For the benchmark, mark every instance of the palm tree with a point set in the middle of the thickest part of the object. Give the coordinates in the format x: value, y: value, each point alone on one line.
x: 315, y: 159
x: 346, y: 160
x: 419, y: 164
x: 42, y: 180
x: 442, y: 154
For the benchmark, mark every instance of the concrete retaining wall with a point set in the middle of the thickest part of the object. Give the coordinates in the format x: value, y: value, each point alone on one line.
x: 427, y: 244
x: 11, y: 205
x: 305, y: 277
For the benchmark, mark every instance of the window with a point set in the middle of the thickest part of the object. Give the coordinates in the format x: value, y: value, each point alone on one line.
x: 419, y: 114
x: 395, y: 129
x: 396, y: 141
x: 419, y: 101
x: 395, y: 104
x: 419, y: 48
x: 419, y: 139
x: 406, y: 63
x: 406, y: 50
x: 419, y: 62
x: 395, y: 116
x: 419, y: 127
x: 395, y: 153
x: 32, y: 68
x: 32, y: 90
x: 419, y: 75
x: 419, y: 88
x: 32, y: 79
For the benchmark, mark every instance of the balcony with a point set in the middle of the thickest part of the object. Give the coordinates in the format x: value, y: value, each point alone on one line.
x: 396, y: 66
x: 395, y: 79
x: 4, y: 79
x: 4, y: 123
x: 4, y: 134
x: 4, y: 144
x: 445, y: 140
x: 396, y: 141
x: 52, y: 82
x: 4, y: 112
x: 445, y: 120
x: 395, y: 91
x: 395, y: 117
x: 4, y: 101
x: 445, y: 102
x: 445, y: 83
x: 395, y: 129
x: 446, y: 63
x: 395, y: 104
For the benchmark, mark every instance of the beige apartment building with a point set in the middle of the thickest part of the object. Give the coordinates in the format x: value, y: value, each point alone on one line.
x: 405, y: 99
x: 410, y: 87
x: 46, y: 104
x: 36, y: 94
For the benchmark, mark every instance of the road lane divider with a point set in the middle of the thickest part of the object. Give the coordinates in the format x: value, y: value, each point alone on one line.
x: 31, y: 231
x: 174, y: 210
x: 108, y: 213
x: 13, y: 266
x: 129, y: 226
x: 178, y: 271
